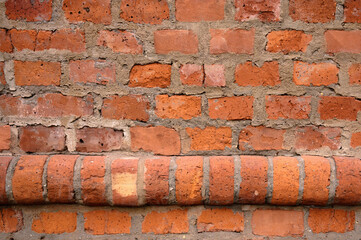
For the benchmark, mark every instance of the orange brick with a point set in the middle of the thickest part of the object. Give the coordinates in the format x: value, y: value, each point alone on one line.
x: 120, y: 42
x: 150, y: 75
x: 231, y: 108
x: 342, y: 108
x: 2, y: 66
x: 266, y: 75
x: 288, y: 41
x: 354, y: 73
x: 215, y: 220
x: 181, y: 41
x: 265, y: 11
x: 97, y: 11
x: 174, y: 221
x: 261, y: 138
x: 55, y: 222
x: 37, y: 73
x: 23, y: 39
x: 5, y: 137
x: 235, y: 41
x: 185, y: 107
x: 331, y: 220
x: 311, y: 138
x: 144, y: 11
x: 210, y: 138
x: 11, y: 221
x: 343, y: 41
x: 63, y: 39
x: 315, y: 74
x: 214, y: 75
x: 322, y: 11
x: 352, y: 11
x: 199, y: 10
x: 29, y: 10
x: 192, y: 74
x: 100, y: 222
x: 4, y: 164
x: 288, y: 107
x: 90, y: 71
x: 356, y: 140
x: 5, y: 41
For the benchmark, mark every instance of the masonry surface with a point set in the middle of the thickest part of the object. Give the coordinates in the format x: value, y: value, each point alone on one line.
x: 206, y: 107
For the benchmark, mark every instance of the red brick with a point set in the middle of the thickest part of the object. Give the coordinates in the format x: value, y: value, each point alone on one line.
x: 42, y: 139
x: 62, y: 39
x: 192, y: 74
x: 285, y: 181
x: 29, y: 10
x: 331, y: 220
x: 144, y: 11
x: 199, y: 10
x: 215, y: 220
x: 37, y: 73
x: 23, y: 39
x: 348, y: 174
x: 265, y: 10
x: 249, y: 75
x: 150, y: 75
x: 55, y: 222
x: 120, y: 42
x: 210, y: 138
x: 156, y: 180
x: 288, y: 41
x: 98, y: 139
x: 5, y: 137
x: 235, y: 41
x: 278, y: 223
x: 231, y: 108
x: 159, y: 140
x: 181, y: 41
x: 189, y: 180
x: 356, y: 140
x: 343, y: 108
x: 90, y: 71
x: 174, y: 221
x: 288, y: 107
x: 96, y: 11
x: 5, y: 41
x: 60, y: 178
x: 261, y: 138
x: 10, y: 220
x: 319, y: 11
x: 4, y: 164
x: 253, y: 188
x: 311, y: 138
x: 2, y: 66
x: 352, y: 11
x: 317, y: 180
x: 181, y: 106
x: 214, y: 75
x: 343, y: 41
x: 100, y: 222
x: 92, y: 180
x: 221, y: 180
x: 124, y: 182
x: 354, y: 73
x: 134, y: 107
x: 29, y: 168
x: 315, y: 74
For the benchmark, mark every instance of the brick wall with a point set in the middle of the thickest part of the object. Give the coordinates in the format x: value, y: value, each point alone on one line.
x: 180, y: 102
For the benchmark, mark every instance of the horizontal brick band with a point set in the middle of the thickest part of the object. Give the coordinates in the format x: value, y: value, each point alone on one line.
x: 184, y: 180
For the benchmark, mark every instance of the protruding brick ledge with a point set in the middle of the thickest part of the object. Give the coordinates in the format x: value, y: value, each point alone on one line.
x: 187, y: 180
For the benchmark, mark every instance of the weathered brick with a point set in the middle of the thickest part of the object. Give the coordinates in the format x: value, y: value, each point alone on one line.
x: 124, y: 182
x: 192, y: 74
x: 150, y: 75
x: 261, y: 138
x: 92, y: 180
x: 23, y: 39
x: 62, y: 39
x: 342, y: 108
x: 159, y: 140
x: 231, y: 108
x: 331, y: 220
x: 100, y: 222
x: 5, y: 137
x: 249, y: 75
x: 29, y: 10
x: 199, y: 10
x: 42, y: 139
x: 354, y: 73
x: 181, y: 41
x: 30, y: 168
x: 315, y: 74
x: 317, y: 180
x: 356, y: 140
x: 60, y: 178
x: 11, y: 220
x: 215, y: 220
x: 235, y: 41
x: 96, y: 11
x: 221, y: 180
x: 343, y: 41
x: 144, y: 11
x: 2, y: 66
x: 174, y: 221
x: 55, y: 222
x: 98, y: 139
x: 90, y: 71
x: 4, y: 164
x: 120, y: 41
x: 189, y: 180
x: 156, y: 180
x: 288, y: 41
x: 210, y: 138
x: 134, y: 107
x: 37, y: 73
x: 214, y: 75
x: 253, y: 187
x: 352, y: 11
x: 265, y: 10
x: 285, y: 181
x: 348, y: 174
x: 311, y: 138
x: 319, y: 11
x: 178, y: 106
x: 275, y: 222
x: 5, y: 41
x: 288, y: 107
